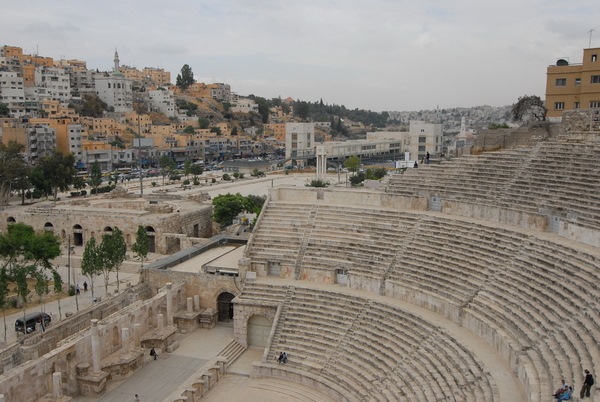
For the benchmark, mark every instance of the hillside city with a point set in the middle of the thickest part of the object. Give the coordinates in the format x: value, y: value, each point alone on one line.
x: 98, y: 116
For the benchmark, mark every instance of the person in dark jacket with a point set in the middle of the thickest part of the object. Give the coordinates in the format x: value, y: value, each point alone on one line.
x: 587, y: 384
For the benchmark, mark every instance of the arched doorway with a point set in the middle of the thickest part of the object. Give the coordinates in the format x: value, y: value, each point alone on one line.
x: 77, y: 235
x: 225, y: 307
x: 11, y: 220
x: 49, y: 227
x: 259, y: 328
x: 151, y: 233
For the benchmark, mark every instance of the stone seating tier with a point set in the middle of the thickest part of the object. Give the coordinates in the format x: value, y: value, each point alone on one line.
x: 371, y: 349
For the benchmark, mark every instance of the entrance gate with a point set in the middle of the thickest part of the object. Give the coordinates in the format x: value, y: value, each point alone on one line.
x: 259, y: 328
x: 225, y: 307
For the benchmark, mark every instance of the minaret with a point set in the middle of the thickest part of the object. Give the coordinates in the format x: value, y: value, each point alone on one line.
x: 116, y: 67
x: 463, y: 126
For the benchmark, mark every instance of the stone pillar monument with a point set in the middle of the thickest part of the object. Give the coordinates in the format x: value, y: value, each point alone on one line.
x: 95, y: 347
x: 169, y: 304
x: 56, y: 385
x: 190, y: 305
x: 160, y: 324
x: 136, y: 335
x: 321, y: 162
x: 196, y: 302
x: 125, y: 340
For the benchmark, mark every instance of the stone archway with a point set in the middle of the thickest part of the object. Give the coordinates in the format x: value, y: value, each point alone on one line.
x: 225, y: 307
x: 259, y: 328
x: 77, y: 235
x: 151, y: 236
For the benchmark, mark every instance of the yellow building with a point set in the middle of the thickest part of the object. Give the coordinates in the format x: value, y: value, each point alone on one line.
x: 275, y: 130
x: 573, y: 85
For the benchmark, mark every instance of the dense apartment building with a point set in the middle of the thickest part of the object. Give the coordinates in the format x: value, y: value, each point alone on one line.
x: 573, y: 85
x: 39, y: 139
x: 299, y: 141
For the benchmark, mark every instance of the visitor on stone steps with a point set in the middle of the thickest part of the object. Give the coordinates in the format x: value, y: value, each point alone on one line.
x: 153, y: 353
x: 280, y: 358
x: 565, y: 396
x: 563, y: 388
x: 285, y: 356
x: 587, y: 384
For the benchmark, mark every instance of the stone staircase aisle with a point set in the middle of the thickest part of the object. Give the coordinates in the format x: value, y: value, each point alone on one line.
x: 292, y: 390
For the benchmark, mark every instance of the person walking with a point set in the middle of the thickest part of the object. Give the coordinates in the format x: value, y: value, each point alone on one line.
x: 85, y: 286
x: 587, y: 384
x: 137, y: 398
x: 153, y: 353
x: 77, y: 289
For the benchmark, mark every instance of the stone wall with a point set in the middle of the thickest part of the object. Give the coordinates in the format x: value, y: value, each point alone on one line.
x: 32, y: 380
x: 63, y: 219
x: 581, y: 121
x: 37, y: 344
x: 207, y: 286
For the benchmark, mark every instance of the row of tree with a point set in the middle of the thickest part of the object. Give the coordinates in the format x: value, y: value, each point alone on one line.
x: 26, y: 262
x: 52, y: 174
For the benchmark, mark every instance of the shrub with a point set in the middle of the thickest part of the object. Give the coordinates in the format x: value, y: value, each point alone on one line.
x: 153, y: 184
x: 317, y: 183
x: 186, y: 182
x: 196, y: 182
x: 226, y: 177
x: 83, y: 192
x: 213, y: 180
x: 241, y: 176
x: 236, y: 175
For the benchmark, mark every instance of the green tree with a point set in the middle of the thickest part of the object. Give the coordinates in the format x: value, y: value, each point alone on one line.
x: 113, y: 248
x: 4, y: 110
x: 317, y: 183
x: 91, y: 262
x: 14, y: 172
x: 204, y: 123
x: 58, y: 289
x: 141, y: 247
x: 302, y: 109
x: 196, y: 170
x: 185, y: 78
x: 357, y: 179
x: 167, y: 164
x: 4, y: 291
x: 228, y: 206
x: 26, y: 255
x: 189, y: 130
x: 187, y: 167
x: 352, y: 163
x: 215, y: 129
x: 57, y: 171
x: 93, y: 106
x: 95, y: 175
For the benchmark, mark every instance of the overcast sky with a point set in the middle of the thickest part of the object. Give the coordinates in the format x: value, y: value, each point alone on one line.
x: 375, y: 54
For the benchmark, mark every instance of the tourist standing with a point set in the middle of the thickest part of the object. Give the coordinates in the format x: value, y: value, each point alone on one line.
x: 587, y: 384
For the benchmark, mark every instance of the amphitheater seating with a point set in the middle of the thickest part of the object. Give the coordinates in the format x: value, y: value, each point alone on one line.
x: 375, y: 351
x: 532, y: 297
x: 556, y: 177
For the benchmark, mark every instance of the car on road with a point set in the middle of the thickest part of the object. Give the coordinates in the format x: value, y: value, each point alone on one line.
x: 32, y: 320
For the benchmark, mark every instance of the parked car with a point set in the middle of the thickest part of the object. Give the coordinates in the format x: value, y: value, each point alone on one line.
x: 31, y: 321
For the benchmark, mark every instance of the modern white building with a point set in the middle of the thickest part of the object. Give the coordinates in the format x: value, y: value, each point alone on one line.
x: 299, y: 141
x: 425, y: 137
x: 162, y: 101
x: 114, y: 89
x: 53, y: 83
x: 12, y: 92
x: 244, y: 105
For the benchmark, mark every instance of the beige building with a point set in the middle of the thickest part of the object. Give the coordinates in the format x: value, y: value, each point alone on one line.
x: 424, y: 138
x: 573, y: 85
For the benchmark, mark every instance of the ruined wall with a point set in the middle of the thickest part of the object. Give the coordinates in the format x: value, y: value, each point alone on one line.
x: 207, y: 286
x: 76, y: 349
x: 191, y: 219
x: 39, y: 343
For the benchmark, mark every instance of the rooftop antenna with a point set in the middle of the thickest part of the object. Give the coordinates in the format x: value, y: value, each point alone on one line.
x: 590, y: 32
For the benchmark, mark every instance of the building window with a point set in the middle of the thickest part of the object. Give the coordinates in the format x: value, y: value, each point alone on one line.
x: 595, y: 79
x: 577, y: 82
x: 576, y: 105
x: 594, y: 104
x: 559, y: 105
x: 561, y: 82
x: 594, y: 57
x: 422, y: 140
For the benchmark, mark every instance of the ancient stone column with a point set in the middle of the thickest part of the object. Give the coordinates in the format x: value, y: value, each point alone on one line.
x: 136, y: 335
x: 196, y: 302
x: 190, y: 306
x: 125, y: 340
x: 160, y: 323
x: 56, y: 385
x: 95, y: 347
x: 169, y: 304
